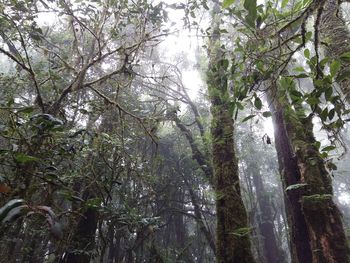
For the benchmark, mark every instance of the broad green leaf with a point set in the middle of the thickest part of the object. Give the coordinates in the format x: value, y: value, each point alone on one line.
x: 324, y: 61
x: 328, y: 148
x: 301, y: 76
x: 239, y: 106
x: 23, y: 158
x: 258, y: 103
x: 308, y: 36
x: 307, y: 53
x: 328, y: 93
x: 250, y: 6
x: 313, y: 101
x: 324, y: 155
x: 267, y: 114
x: 248, y: 117
x: 334, y: 67
x: 299, y: 69
x: 345, y: 57
x: 285, y: 83
x: 296, y: 93
x: 343, y: 75
x: 227, y: 3
x: 232, y: 106
x: 244, y: 231
x: 284, y: 3
x: 324, y: 114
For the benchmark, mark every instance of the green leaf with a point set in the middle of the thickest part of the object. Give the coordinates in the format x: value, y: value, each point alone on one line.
x: 284, y: 3
x: 328, y: 148
x: 324, y: 61
x: 248, y: 117
x: 244, y: 231
x: 285, y: 83
x: 23, y: 158
x: 258, y: 103
x: 296, y: 94
x: 307, y: 53
x: 232, y: 106
x: 324, y: 114
x: 227, y: 3
x: 343, y: 75
x: 301, y: 76
x: 250, y: 6
x: 328, y: 93
x: 313, y: 101
x: 335, y: 67
x: 27, y: 110
x: 345, y: 57
x: 267, y: 114
x: 299, y: 69
x: 240, y: 105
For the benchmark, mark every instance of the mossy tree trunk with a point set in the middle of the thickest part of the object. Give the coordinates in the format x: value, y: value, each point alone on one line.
x: 323, y: 219
x: 299, y: 238
x: 233, y: 242
x: 314, y: 219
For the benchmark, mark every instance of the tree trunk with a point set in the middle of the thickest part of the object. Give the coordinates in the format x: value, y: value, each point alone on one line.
x: 299, y: 239
x: 199, y: 217
x: 316, y: 228
x: 272, y: 252
x: 83, y: 241
x: 233, y: 242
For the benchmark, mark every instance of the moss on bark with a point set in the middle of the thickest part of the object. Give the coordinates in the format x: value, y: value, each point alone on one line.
x: 320, y: 214
x: 233, y: 239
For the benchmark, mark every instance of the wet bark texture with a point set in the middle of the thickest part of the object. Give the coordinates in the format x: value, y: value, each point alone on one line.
x: 233, y: 242
x: 299, y: 239
x: 314, y: 219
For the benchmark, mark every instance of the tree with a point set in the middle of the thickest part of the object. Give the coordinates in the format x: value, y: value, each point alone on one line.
x: 232, y: 230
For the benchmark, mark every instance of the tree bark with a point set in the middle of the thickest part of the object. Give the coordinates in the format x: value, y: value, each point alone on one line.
x: 316, y: 228
x: 272, y: 252
x: 299, y: 239
x: 83, y: 241
x: 233, y: 241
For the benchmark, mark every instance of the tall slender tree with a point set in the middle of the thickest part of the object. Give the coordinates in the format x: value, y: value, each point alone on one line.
x: 232, y: 233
